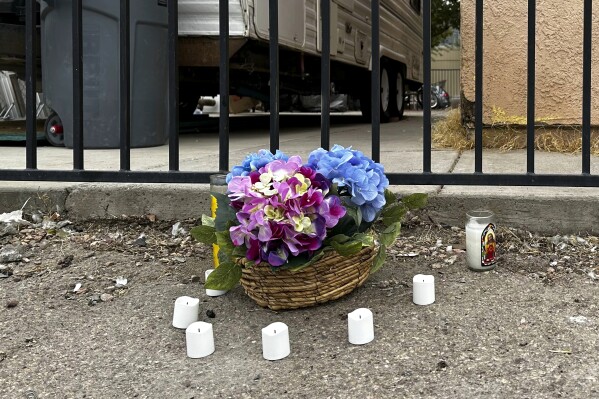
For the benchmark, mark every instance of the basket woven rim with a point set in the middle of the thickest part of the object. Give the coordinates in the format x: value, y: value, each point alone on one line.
x: 326, y: 279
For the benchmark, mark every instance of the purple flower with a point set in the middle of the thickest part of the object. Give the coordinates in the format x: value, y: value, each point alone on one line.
x: 282, y: 210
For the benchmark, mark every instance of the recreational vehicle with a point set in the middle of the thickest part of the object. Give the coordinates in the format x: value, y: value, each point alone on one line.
x: 300, y: 32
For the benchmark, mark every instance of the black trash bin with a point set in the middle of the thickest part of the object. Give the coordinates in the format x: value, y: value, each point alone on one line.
x: 101, y: 55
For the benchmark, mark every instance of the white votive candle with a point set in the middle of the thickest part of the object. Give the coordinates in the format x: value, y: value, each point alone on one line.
x: 186, y: 311
x: 210, y: 292
x: 423, y: 289
x: 275, y: 341
x: 199, y: 339
x: 480, y: 240
x: 360, y: 326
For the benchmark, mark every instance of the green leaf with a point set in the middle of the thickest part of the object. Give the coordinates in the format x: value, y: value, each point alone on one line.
x: 239, y: 252
x: 224, y: 213
x: 379, y: 259
x: 207, y: 221
x: 224, y: 277
x: 338, y: 238
x: 345, y: 225
x: 415, y: 201
x: 204, y: 234
x: 355, y: 213
x: 223, y: 240
x: 389, y: 235
x: 366, y: 239
x: 390, y: 198
x: 393, y: 214
x: 347, y: 248
x: 296, y: 262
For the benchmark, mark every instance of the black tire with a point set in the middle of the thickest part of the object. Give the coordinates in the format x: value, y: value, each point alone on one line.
x: 54, y: 136
x: 400, y: 93
x: 434, y: 99
x: 386, y: 91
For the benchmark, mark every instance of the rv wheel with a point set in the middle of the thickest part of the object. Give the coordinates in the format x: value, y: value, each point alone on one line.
x: 53, y: 130
x: 387, y: 90
x: 400, y: 93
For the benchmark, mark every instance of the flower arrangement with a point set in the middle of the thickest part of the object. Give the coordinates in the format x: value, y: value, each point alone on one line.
x: 286, y: 213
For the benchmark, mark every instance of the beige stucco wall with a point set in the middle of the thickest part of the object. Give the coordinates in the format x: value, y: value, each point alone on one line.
x: 558, y: 61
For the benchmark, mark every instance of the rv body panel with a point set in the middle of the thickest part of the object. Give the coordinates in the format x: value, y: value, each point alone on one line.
x: 300, y: 37
x: 300, y: 28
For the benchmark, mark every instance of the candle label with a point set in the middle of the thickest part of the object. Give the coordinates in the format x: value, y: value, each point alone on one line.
x: 488, y: 245
x: 215, y: 247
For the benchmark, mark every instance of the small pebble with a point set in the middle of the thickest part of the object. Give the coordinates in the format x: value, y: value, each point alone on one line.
x: 93, y: 300
x: 12, y: 303
x: 140, y: 242
x: 195, y: 279
x: 106, y: 297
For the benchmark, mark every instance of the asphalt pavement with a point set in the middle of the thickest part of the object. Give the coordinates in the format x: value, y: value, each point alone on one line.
x: 542, y: 209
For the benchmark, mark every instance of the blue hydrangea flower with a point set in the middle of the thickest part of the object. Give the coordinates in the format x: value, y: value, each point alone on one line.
x: 255, y: 161
x: 364, y: 179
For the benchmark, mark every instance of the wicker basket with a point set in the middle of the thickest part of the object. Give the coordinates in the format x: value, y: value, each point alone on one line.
x: 327, y: 279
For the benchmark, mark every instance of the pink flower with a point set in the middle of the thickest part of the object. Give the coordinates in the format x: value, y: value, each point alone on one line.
x: 282, y: 210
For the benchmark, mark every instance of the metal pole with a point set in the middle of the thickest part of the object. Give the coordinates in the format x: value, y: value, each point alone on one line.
x: 274, y: 74
x: 173, y: 86
x: 375, y: 82
x: 426, y: 91
x: 325, y: 74
x: 586, y: 86
x: 223, y: 131
x: 478, y: 95
x: 125, y: 75
x: 530, y: 104
x: 77, y: 85
x: 30, y: 81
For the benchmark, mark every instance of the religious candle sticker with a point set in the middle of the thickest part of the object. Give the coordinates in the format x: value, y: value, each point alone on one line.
x: 481, y: 243
x: 487, y: 245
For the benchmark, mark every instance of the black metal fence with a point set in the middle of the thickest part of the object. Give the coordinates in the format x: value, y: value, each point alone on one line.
x: 174, y: 175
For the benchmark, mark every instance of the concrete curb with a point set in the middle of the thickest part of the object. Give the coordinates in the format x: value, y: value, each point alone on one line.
x: 543, y: 214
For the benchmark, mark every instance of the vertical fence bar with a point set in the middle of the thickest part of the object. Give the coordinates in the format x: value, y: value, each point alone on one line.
x: 530, y: 94
x: 77, y: 22
x: 173, y: 86
x: 375, y: 81
x: 273, y: 21
x: 30, y: 81
x: 223, y: 128
x: 125, y: 75
x: 586, y: 87
x: 325, y: 74
x: 478, y: 92
x: 426, y: 91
